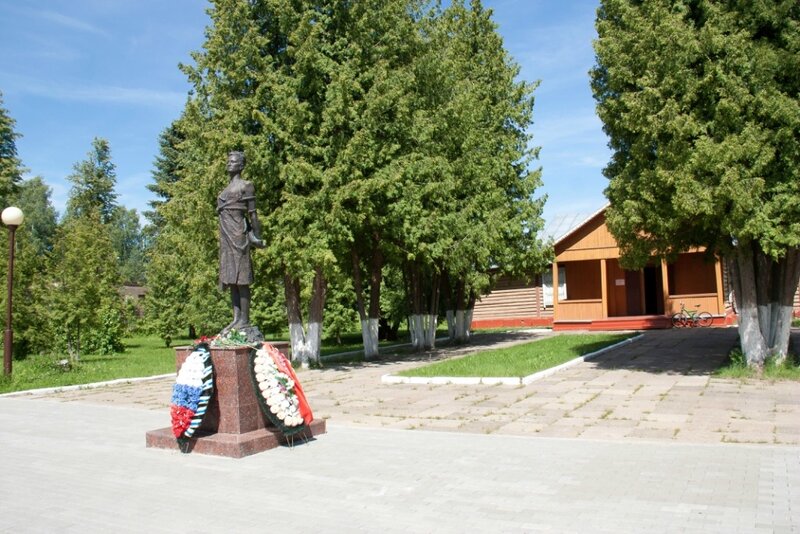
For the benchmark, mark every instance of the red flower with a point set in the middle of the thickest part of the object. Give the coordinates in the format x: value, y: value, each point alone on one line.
x: 181, y: 419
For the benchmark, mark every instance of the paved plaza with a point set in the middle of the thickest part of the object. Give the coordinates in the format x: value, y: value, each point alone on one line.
x: 642, y: 438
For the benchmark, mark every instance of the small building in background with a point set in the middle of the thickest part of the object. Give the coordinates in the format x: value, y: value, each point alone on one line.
x: 587, y: 288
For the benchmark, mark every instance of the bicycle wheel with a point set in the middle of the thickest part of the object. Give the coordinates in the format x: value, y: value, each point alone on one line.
x: 678, y: 320
x: 704, y: 319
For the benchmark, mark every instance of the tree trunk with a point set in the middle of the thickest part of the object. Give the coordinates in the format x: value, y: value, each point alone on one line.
x: 297, y: 333
x: 374, y: 314
x: 462, y: 325
x: 787, y: 286
x: 319, y: 291
x: 451, y: 324
x: 370, y: 318
x: 764, y: 291
x: 305, y: 342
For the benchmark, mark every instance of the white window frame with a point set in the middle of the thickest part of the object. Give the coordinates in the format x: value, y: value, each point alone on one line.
x: 547, y: 286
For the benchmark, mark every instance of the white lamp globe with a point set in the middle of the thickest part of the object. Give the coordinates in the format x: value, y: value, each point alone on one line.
x: 12, y: 216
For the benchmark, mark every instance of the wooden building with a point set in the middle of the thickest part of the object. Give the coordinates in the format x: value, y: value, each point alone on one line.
x: 586, y: 288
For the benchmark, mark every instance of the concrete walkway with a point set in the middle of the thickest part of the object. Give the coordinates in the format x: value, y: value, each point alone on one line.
x: 658, y: 388
x: 650, y: 455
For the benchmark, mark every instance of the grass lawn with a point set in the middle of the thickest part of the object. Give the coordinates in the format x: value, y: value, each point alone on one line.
x: 736, y: 367
x: 143, y: 356
x: 521, y: 360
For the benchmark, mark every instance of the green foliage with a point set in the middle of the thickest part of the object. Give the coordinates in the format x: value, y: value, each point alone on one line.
x: 370, y: 131
x: 84, y: 294
x: 108, y: 338
x: 737, y: 367
x: 93, y: 184
x: 10, y: 164
x: 165, y: 172
x: 33, y: 197
x: 341, y: 316
x: 128, y: 241
x: 34, y: 241
x: 521, y: 360
x: 699, y: 100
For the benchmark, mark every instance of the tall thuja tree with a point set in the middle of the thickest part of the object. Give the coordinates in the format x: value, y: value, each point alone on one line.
x: 477, y: 114
x: 257, y: 88
x: 700, y: 103
x: 367, y: 129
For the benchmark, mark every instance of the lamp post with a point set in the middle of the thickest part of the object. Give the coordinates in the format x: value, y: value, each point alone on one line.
x: 12, y: 217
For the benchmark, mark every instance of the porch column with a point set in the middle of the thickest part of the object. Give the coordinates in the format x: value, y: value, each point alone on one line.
x: 603, y: 288
x: 555, y: 290
x: 720, y: 289
x: 665, y: 287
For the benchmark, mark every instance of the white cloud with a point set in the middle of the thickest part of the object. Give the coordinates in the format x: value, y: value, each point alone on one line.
x: 550, y: 132
x: 70, y: 22
x: 95, y: 93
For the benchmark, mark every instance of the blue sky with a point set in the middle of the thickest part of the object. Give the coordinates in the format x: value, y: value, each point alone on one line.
x: 73, y: 70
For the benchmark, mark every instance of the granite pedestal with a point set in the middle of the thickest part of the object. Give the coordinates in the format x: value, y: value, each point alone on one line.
x: 234, y: 425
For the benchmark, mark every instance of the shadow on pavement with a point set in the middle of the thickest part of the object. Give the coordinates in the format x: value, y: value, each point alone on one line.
x: 697, y: 351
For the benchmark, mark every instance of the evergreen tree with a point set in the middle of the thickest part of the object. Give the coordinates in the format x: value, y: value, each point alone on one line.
x: 470, y: 196
x: 93, y: 184
x: 700, y: 102
x: 10, y: 164
x: 165, y: 172
x: 34, y: 199
x: 34, y: 242
x: 128, y: 241
x: 86, y: 309
x: 86, y: 306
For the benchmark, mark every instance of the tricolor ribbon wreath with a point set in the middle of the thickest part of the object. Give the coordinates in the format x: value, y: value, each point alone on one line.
x: 191, y: 394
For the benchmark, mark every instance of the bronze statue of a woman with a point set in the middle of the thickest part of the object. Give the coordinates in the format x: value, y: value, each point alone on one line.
x: 239, y: 229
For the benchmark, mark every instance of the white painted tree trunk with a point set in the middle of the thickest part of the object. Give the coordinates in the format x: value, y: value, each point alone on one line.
x: 305, y: 345
x: 764, y: 292
x: 297, y: 338
x: 783, y: 325
x: 369, y: 334
x: 451, y: 324
x: 416, y: 330
x: 462, y: 328
x: 468, y: 323
x: 429, y: 331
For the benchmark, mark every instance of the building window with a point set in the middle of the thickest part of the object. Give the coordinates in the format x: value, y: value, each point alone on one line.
x: 547, y: 286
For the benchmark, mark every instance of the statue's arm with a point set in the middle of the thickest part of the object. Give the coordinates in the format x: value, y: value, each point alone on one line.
x: 250, y: 197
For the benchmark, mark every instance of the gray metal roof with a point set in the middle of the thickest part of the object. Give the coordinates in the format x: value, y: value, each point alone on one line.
x: 560, y: 226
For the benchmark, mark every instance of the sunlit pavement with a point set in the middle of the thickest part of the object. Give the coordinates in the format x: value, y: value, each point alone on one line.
x: 641, y: 439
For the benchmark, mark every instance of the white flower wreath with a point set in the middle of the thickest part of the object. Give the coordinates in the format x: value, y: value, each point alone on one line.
x: 277, y: 389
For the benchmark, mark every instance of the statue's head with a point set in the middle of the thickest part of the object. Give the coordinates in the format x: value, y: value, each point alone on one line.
x: 236, y: 161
